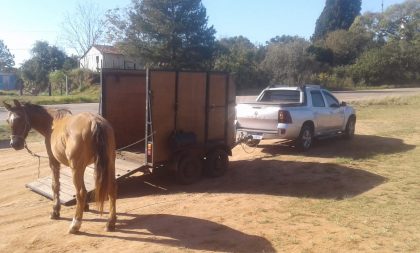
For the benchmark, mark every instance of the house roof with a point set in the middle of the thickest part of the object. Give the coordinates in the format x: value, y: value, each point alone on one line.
x: 104, y: 49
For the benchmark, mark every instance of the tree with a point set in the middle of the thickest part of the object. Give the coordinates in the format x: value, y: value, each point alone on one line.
x: 346, y: 46
x: 290, y: 63
x: 337, y: 14
x: 57, y: 80
x: 45, y: 58
x: 83, y: 27
x: 6, y: 58
x: 239, y: 56
x: 167, y: 33
x: 396, y: 62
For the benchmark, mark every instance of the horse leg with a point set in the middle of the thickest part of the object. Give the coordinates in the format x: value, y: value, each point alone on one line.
x: 55, y: 168
x: 80, y: 199
x: 112, y: 194
x: 86, y: 207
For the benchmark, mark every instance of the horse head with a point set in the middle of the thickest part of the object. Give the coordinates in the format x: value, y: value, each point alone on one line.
x: 19, y: 124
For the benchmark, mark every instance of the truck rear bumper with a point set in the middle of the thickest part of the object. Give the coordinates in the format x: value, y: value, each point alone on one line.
x: 284, y: 131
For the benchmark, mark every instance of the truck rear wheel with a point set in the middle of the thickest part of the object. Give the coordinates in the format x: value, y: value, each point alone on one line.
x: 350, y: 128
x: 188, y: 169
x: 217, y: 163
x: 305, y: 139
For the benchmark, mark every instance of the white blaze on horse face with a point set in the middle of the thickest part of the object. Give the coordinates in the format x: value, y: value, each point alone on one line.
x: 11, y: 118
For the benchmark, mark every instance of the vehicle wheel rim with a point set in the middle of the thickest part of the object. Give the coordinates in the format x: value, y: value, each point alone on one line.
x: 307, y: 139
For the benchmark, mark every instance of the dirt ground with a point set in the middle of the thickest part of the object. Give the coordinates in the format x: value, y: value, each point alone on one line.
x: 270, y: 200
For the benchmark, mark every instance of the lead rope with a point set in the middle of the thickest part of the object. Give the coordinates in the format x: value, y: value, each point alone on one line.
x: 134, y: 143
x: 241, y: 141
x: 35, y: 155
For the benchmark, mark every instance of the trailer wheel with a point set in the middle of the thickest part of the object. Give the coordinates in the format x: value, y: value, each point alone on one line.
x: 188, y: 169
x: 217, y: 163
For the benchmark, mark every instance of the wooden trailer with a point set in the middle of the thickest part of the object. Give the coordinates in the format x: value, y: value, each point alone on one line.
x: 182, y: 121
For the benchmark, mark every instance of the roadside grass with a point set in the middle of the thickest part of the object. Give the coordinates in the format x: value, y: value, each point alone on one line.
x: 5, y: 133
x: 91, y: 94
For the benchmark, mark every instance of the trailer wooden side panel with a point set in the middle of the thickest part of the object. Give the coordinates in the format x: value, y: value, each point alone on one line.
x: 123, y: 104
x: 231, y: 134
x: 191, y: 100
x: 217, y: 107
x: 162, y: 86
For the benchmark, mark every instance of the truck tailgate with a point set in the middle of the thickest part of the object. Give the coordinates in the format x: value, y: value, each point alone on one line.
x: 257, y: 116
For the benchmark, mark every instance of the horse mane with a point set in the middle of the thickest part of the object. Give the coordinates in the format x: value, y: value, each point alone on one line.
x: 55, y: 113
x: 60, y: 113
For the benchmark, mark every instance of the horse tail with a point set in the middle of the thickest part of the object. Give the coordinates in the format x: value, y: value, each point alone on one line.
x: 104, y: 165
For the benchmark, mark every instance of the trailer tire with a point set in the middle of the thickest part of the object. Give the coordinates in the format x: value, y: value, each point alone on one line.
x: 188, y: 169
x: 217, y: 163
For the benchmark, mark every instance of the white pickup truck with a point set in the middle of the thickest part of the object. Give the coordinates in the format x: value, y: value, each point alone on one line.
x: 299, y: 114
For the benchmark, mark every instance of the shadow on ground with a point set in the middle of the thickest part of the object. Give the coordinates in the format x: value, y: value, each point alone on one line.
x: 360, y: 147
x: 188, y: 232
x: 265, y: 176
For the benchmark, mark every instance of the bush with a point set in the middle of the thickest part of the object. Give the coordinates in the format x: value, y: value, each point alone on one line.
x: 396, y: 62
x: 81, y: 78
x: 336, y: 78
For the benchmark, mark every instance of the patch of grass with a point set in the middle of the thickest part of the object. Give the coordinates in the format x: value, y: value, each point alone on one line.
x: 5, y: 133
x: 90, y: 94
x: 8, y: 93
x: 388, y: 101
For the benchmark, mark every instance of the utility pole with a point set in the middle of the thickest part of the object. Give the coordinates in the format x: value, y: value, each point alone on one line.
x: 67, y: 86
x: 382, y: 6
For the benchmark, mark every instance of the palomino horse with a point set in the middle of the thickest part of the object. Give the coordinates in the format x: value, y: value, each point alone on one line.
x: 75, y: 141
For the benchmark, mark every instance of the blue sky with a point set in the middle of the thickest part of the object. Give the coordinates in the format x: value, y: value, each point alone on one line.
x: 23, y: 22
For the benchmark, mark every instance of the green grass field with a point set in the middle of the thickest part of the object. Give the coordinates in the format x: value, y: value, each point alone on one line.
x: 88, y: 95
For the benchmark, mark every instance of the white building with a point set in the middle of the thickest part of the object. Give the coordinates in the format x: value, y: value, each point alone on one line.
x: 106, y: 57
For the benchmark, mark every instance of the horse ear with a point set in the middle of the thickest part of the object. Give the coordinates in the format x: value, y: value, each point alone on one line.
x: 17, y: 103
x: 7, y: 106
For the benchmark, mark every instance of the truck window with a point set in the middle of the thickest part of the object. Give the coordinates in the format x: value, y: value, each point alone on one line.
x: 288, y: 96
x: 331, y: 100
x: 317, y: 99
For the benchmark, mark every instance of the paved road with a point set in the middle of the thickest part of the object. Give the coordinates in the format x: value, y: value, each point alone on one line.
x: 342, y: 95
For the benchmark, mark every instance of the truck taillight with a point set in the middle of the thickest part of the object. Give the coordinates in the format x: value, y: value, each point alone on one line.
x: 284, y: 117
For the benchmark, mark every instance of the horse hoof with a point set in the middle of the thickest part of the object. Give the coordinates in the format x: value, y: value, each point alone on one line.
x: 73, y: 230
x: 54, y: 216
x: 110, y: 227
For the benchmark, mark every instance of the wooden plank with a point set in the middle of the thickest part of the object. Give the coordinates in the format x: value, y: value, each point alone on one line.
x: 42, y: 186
x: 217, y: 106
x: 162, y: 85
x: 125, y: 104
x: 192, y: 103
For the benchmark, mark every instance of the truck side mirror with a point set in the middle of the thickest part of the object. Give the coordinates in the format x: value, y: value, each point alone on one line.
x: 343, y: 103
